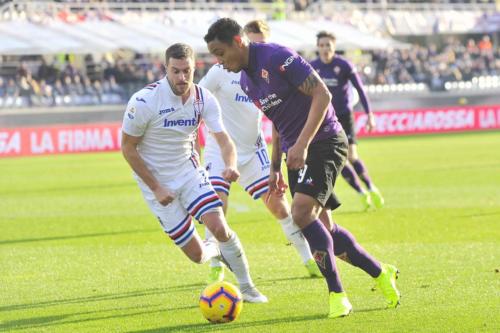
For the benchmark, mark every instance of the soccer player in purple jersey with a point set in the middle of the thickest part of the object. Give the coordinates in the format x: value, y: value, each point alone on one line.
x: 291, y: 94
x: 337, y: 72
x: 242, y: 121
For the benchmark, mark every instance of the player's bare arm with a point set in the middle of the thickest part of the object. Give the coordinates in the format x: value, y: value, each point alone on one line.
x: 277, y: 153
x: 370, y: 122
x: 312, y: 86
x: 228, y: 150
x: 277, y: 183
x: 129, y: 151
x: 357, y: 84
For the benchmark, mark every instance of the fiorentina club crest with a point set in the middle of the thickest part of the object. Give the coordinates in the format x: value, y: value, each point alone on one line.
x: 265, y: 75
x: 320, y: 258
x: 336, y: 69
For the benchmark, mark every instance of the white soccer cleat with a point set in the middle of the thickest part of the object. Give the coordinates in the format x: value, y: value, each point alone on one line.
x: 252, y: 295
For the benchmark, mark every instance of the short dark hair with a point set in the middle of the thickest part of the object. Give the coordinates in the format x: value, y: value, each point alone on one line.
x: 323, y: 34
x: 179, y: 51
x: 257, y: 27
x: 223, y: 30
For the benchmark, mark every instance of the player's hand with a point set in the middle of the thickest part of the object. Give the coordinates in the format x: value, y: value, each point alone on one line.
x: 296, y: 157
x: 163, y: 195
x: 231, y: 174
x: 282, y: 185
x: 370, y: 122
x: 277, y: 184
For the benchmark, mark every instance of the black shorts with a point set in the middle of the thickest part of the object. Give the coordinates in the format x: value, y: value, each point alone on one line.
x: 325, y: 160
x: 346, y: 119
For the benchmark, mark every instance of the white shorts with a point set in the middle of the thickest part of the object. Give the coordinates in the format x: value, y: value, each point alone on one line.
x: 254, y: 172
x: 195, y: 196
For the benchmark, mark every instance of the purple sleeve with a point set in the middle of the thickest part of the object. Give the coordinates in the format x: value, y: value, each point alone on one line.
x: 291, y: 66
x: 356, y: 82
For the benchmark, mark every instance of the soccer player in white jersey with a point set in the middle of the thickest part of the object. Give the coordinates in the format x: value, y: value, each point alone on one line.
x: 159, y: 131
x: 242, y: 120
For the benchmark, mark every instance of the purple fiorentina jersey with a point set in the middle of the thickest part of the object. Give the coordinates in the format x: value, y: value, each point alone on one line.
x: 271, y: 80
x: 336, y: 76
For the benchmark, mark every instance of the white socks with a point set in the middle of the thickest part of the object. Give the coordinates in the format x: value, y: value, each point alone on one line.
x: 294, y: 235
x: 210, y: 250
x: 233, y: 254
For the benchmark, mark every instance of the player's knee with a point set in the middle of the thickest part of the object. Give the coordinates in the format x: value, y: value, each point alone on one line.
x: 216, y: 223
x: 326, y: 219
x: 221, y: 233
x: 301, y: 215
x: 218, y: 228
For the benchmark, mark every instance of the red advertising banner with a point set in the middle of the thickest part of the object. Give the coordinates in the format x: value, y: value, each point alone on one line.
x: 435, y: 120
x: 60, y: 139
x: 27, y: 141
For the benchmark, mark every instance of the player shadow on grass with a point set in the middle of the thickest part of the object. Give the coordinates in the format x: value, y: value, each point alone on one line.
x: 56, y: 238
x: 271, y: 281
x: 207, y: 327
x: 105, y: 297
x: 20, y: 324
x: 66, y: 319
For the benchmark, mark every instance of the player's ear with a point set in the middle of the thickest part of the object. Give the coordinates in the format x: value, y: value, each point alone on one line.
x: 237, y: 39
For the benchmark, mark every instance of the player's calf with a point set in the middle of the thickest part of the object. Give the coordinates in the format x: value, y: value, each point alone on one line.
x: 200, y: 251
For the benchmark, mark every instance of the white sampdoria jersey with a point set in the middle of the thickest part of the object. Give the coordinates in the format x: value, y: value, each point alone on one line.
x: 241, y: 117
x: 169, y: 128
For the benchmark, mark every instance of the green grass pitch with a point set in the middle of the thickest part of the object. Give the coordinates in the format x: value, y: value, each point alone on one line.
x: 80, y: 252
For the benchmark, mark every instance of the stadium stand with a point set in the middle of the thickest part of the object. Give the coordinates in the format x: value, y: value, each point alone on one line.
x: 100, y: 52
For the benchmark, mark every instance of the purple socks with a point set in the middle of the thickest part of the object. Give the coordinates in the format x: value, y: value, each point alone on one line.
x: 362, y: 173
x: 321, y: 244
x: 350, y: 176
x: 345, y: 243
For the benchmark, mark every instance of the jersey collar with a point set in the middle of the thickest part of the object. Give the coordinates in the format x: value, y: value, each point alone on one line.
x: 252, y: 58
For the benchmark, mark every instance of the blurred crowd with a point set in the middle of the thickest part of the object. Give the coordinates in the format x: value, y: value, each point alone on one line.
x: 42, y: 83
x: 112, y: 80
x: 433, y: 65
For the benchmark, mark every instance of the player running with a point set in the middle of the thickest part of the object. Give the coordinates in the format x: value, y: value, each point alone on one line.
x: 242, y: 121
x: 159, y: 131
x: 337, y: 72
x: 291, y: 94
